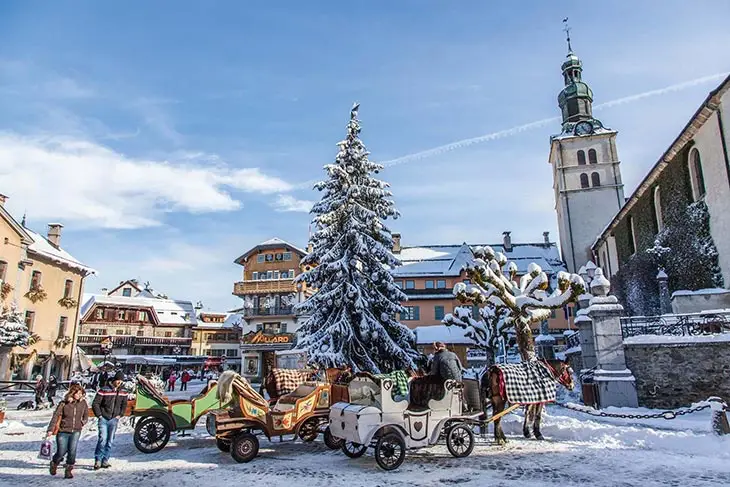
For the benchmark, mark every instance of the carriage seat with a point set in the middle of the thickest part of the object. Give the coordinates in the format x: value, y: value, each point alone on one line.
x: 424, y: 389
x: 146, y: 386
x: 303, y: 390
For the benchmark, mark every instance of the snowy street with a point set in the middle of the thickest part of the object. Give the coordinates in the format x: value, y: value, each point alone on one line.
x: 578, y: 451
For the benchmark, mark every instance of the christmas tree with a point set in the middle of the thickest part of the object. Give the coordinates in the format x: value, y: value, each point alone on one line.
x: 351, y: 318
x: 13, y: 332
x: 505, y: 303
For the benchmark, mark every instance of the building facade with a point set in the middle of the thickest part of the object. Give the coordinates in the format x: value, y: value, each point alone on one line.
x: 683, y: 204
x: 429, y: 273
x: 46, y: 283
x: 218, y: 337
x: 586, y: 169
x: 269, y: 294
x: 137, y: 323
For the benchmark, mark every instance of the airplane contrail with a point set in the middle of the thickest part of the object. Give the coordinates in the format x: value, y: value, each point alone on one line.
x: 459, y: 144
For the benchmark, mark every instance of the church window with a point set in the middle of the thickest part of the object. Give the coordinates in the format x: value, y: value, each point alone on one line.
x: 584, y: 181
x: 581, y: 158
x: 658, y: 210
x: 632, y: 234
x: 695, y: 175
x: 592, y: 156
x: 595, y: 179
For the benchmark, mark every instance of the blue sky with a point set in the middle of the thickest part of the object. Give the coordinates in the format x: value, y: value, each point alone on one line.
x: 170, y: 137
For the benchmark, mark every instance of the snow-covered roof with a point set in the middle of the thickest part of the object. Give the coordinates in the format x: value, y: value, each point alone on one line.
x: 230, y: 322
x: 448, y: 260
x: 41, y: 246
x: 426, y: 335
x: 700, y: 292
x: 271, y: 243
x: 168, y: 311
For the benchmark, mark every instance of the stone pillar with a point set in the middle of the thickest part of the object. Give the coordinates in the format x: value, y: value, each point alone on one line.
x: 545, y: 343
x: 616, y: 384
x: 665, y: 299
x: 585, y: 328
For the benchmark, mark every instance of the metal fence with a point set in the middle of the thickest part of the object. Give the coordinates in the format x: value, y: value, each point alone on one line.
x: 676, y: 325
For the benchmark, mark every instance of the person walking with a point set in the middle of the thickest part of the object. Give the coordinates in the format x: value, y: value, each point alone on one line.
x: 184, y: 379
x: 52, y: 388
x: 109, y: 405
x: 171, y: 382
x: 67, y: 421
x: 445, y: 363
x: 40, y: 390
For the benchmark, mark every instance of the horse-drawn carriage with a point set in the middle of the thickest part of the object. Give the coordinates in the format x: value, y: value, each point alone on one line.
x: 302, y: 413
x: 159, y: 416
x: 434, y: 411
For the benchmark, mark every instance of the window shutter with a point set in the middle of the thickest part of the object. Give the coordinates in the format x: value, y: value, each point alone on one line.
x: 416, y: 313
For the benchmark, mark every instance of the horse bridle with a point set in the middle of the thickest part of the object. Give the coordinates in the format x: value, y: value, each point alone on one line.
x: 564, y: 377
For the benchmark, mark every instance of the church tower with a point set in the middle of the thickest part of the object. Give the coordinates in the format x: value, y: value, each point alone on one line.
x: 586, y: 168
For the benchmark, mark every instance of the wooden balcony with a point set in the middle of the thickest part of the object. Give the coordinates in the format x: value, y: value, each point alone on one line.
x: 128, y: 341
x: 243, y: 288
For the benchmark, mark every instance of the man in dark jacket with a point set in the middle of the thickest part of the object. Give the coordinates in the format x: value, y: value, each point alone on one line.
x: 445, y: 363
x: 109, y: 405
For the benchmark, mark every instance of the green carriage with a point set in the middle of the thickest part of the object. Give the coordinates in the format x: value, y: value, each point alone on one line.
x: 159, y: 416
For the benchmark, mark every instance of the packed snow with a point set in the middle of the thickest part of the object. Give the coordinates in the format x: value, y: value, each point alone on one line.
x: 579, y: 450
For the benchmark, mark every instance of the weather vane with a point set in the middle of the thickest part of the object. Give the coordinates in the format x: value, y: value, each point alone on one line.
x: 567, y: 33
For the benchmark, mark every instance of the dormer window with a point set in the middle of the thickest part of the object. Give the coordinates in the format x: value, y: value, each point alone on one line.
x: 127, y: 291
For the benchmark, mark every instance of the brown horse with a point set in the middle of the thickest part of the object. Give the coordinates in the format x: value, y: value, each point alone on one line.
x: 490, y: 384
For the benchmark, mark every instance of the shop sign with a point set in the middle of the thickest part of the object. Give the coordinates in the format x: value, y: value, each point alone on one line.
x: 259, y: 338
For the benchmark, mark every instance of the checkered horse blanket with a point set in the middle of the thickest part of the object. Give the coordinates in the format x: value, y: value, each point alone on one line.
x: 283, y: 381
x: 526, y: 383
x: 400, y: 382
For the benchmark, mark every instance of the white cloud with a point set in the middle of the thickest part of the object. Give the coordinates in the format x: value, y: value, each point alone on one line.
x: 287, y: 202
x: 74, y: 179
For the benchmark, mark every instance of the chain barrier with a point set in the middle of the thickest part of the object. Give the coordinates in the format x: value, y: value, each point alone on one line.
x: 663, y: 415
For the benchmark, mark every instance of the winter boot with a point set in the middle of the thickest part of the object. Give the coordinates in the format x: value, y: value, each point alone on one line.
x: 97, y: 465
x: 53, y: 468
x: 68, y: 474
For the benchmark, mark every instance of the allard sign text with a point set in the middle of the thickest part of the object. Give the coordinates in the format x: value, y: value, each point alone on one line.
x: 259, y: 338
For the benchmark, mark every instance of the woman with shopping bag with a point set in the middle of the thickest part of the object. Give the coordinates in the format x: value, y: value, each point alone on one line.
x: 67, y: 421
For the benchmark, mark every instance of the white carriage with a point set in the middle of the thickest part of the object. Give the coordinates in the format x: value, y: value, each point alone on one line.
x: 373, y: 418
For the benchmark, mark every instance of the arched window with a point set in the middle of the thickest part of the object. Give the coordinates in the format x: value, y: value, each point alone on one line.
x: 584, y: 180
x: 592, y: 156
x: 695, y: 175
x: 595, y: 179
x: 658, y: 210
x: 632, y: 235
x: 581, y: 158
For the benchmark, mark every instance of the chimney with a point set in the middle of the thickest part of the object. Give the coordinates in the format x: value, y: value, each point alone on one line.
x: 396, y: 243
x: 507, y: 241
x: 546, y: 236
x: 3, y: 199
x: 54, y: 233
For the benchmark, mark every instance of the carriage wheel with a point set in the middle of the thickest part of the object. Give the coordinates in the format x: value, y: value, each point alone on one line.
x: 244, y: 447
x: 353, y: 450
x: 309, y: 430
x: 460, y: 441
x: 390, y: 451
x: 151, y: 434
x: 223, y: 445
x: 330, y: 440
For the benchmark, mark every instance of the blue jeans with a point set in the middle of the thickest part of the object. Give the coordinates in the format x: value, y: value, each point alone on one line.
x: 66, y: 444
x: 107, y: 428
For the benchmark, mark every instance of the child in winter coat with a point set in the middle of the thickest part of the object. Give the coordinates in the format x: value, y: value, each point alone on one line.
x: 171, y: 382
x: 184, y: 379
x: 67, y: 421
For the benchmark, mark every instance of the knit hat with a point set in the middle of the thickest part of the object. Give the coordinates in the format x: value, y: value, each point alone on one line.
x: 118, y: 376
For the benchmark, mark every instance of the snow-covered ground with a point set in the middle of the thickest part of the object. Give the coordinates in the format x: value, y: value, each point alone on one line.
x: 579, y: 451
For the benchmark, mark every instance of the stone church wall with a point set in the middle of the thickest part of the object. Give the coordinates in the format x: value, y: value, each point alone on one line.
x: 677, y: 375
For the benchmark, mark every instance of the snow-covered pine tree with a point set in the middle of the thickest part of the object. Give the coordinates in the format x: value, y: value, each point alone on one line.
x: 351, y: 316
x: 514, y: 305
x: 13, y: 332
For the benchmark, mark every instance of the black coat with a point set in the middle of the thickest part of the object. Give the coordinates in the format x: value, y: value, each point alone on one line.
x: 109, y: 403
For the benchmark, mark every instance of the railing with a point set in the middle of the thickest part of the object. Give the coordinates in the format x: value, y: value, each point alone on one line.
x: 126, y: 341
x: 274, y: 311
x: 676, y: 325
x: 264, y: 286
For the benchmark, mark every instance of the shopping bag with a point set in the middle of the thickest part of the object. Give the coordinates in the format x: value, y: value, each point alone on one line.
x: 45, y: 453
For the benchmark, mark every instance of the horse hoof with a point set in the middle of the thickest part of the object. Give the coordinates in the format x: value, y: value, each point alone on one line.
x: 538, y: 436
x: 526, y: 433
